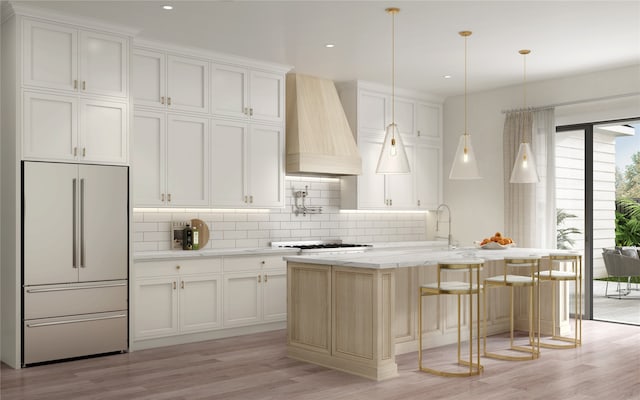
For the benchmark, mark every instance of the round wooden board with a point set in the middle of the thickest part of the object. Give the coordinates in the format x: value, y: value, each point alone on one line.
x: 203, y: 232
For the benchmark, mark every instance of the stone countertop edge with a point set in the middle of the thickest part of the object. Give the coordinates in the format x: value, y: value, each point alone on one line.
x: 186, y: 254
x: 413, y: 257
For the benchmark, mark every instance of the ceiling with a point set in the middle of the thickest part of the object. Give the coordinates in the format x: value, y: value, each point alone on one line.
x: 565, y: 37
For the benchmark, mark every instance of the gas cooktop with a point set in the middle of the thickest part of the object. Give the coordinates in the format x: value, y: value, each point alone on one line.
x: 323, y: 246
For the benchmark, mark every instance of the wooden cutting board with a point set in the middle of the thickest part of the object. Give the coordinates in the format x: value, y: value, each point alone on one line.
x: 203, y: 232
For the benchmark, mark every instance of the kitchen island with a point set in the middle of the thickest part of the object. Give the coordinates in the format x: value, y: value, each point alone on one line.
x: 354, y: 312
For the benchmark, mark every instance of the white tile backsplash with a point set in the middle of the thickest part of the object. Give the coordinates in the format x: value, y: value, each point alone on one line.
x: 257, y: 228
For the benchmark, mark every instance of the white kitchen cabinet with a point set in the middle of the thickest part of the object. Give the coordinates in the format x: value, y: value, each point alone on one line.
x: 368, y: 107
x: 247, y: 165
x: 170, y: 160
x: 62, y: 57
x: 176, y: 297
x: 428, y: 176
x: 247, y: 94
x: 67, y: 128
x: 156, y: 307
x: 254, y: 290
x: 170, y: 81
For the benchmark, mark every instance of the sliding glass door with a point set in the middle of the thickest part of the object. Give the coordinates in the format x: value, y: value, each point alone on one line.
x: 589, y: 176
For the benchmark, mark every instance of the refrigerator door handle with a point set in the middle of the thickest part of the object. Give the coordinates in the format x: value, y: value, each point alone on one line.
x: 82, y: 260
x: 74, y: 321
x: 74, y: 246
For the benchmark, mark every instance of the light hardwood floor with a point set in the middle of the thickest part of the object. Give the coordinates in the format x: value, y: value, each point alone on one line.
x: 607, y: 366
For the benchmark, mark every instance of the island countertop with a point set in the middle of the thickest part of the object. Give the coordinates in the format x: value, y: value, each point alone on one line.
x: 387, y: 258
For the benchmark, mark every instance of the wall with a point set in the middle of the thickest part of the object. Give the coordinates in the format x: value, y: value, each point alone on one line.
x: 257, y: 228
x: 477, y: 206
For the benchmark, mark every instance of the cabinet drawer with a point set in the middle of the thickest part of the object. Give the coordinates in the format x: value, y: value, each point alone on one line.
x: 57, y: 300
x: 75, y: 336
x: 245, y: 263
x: 165, y: 268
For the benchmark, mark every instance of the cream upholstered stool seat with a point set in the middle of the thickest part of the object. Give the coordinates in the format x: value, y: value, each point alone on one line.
x: 555, y: 276
x: 529, y: 267
x: 441, y: 287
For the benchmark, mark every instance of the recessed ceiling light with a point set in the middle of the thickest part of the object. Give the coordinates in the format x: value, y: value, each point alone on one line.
x: 168, y: 7
x: 329, y: 45
x: 446, y: 76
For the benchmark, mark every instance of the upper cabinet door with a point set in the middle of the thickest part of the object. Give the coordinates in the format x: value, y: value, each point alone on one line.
x: 148, y: 162
x: 405, y: 111
x: 50, y: 56
x: 399, y: 188
x: 265, y: 170
x: 228, y: 184
x: 50, y: 129
x: 372, y: 109
x: 103, y: 64
x: 266, y: 96
x: 229, y: 91
x: 428, y: 175
x: 428, y: 121
x: 187, y: 161
x: 188, y: 84
x: 371, y: 194
x: 149, y: 78
x: 103, y: 131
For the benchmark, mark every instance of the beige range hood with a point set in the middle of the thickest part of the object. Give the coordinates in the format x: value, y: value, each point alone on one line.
x: 319, y: 139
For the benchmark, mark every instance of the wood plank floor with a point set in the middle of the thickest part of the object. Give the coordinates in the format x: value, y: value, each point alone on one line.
x: 607, y: 366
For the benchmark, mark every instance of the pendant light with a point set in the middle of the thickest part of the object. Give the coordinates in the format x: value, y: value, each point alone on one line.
x: 393, y: 157
x: 464, y: 162
x: 524, y: 169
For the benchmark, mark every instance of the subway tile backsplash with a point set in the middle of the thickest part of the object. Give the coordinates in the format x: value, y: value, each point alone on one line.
x: 258, y: 228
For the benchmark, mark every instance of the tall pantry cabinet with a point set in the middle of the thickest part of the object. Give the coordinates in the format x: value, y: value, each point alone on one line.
x: 65, y: 99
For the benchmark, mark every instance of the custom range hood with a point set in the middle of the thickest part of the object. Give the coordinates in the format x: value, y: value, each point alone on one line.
x: 319, y: 140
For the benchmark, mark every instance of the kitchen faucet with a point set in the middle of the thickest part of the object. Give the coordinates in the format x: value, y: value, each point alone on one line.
x: 438, y: 223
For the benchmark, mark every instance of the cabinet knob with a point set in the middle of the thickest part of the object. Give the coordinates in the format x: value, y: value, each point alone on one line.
x: 262, y: 262
x: 177, y: 267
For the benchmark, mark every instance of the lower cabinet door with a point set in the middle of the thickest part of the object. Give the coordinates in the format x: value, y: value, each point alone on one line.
x: 156, y: 307
x: 274, y: 295
x: 58, y: 338
x: 242, y: 298
x: 200, y: 303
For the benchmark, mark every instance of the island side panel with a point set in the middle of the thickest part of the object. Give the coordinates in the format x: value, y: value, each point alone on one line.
x: 309, y: 307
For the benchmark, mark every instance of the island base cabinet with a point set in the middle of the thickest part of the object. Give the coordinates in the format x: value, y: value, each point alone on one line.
x: 340, y: 317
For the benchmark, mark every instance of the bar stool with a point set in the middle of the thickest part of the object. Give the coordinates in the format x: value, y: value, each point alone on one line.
x: 529, y: 268
x: 554, y: 276
x: 473, y: 267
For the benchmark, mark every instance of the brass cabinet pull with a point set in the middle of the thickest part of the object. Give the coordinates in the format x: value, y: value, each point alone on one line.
x: 84, y: 85
x: 75, y: 151
x: 162, y: 197
x: 259, y: 278
x: 168, y: 101
x: 182, y: 284
x: 390, y: 202
x: 161, y: 99
x: 169, y: 197
x: 84, y: 152
x: 75, y: 84
x: 251, y: 199
x: 418, y: 133
x: 265, y: 278
x: 246, y: 111
x: 418, y: 203
x: 174, y: 285
x: 246, y: 199
x: 251, y: 112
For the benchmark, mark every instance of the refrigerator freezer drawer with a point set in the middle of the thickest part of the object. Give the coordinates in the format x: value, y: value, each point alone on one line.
x: 81, y: 335
x: 59, y: 300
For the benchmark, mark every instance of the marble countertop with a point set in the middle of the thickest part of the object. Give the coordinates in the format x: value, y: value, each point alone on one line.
x: 182, y: 254
x: 399, y: 257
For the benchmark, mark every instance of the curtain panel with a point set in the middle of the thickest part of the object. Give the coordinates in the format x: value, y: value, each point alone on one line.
x: 530, y: 211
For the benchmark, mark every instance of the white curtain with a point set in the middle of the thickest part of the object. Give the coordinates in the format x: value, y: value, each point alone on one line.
x: 530, y: 208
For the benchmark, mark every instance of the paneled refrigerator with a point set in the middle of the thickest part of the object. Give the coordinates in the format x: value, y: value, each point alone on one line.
x: 75, y: 260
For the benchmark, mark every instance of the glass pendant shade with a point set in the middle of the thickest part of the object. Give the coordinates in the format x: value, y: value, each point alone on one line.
x: 524, y: 169
x: 393, y: 157
x: 464, y: 163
